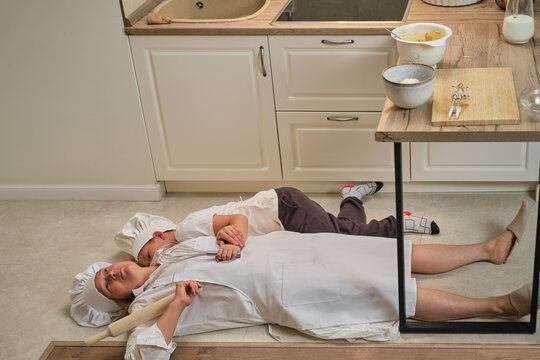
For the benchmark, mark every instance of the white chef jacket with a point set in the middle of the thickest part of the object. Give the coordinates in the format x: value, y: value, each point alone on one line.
x: 277, y: 281
x: 261, y: 211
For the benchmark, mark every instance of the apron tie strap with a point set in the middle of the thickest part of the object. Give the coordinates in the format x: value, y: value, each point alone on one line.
x: 271, y: 333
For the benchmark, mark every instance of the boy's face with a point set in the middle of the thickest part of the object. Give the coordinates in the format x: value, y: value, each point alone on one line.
x: 160, y: 240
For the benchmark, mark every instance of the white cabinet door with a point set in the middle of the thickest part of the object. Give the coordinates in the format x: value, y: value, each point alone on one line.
x: 475, y: 161
x: 330, y: 73
x: 208, y: 106
x: 335, y: 147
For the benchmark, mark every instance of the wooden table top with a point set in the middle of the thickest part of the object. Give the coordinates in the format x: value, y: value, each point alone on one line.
x: 471, y: 46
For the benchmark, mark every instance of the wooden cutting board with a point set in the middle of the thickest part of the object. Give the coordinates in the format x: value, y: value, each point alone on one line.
x: 490, y: 100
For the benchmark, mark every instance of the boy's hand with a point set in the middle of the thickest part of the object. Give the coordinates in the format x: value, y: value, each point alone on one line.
x: 227, y: 252
x: 232, y: 235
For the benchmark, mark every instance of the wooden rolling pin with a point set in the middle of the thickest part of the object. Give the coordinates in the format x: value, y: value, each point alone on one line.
x: 133, y: 320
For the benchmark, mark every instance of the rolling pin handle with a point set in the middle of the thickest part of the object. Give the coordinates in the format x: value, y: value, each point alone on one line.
x: 94, y: 339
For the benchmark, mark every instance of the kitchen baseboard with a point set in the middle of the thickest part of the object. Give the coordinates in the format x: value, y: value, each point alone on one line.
x: 83, y: 192
x: 157, y: 191
x: 331, y: 187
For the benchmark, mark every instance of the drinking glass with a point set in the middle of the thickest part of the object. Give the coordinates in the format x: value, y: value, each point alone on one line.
x: 518, y: 25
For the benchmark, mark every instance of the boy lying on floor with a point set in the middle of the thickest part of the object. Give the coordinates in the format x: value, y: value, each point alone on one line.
x: 271, y: 210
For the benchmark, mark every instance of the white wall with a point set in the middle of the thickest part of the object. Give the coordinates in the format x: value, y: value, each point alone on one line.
x: 131, y: 5
x: 69, y: 107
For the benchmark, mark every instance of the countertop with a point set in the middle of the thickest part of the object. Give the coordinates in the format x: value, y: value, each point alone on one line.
x: 471, y: 46
x: 485, y: 11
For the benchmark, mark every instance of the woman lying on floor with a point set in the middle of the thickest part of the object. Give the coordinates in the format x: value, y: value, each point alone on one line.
x: 347, y: 290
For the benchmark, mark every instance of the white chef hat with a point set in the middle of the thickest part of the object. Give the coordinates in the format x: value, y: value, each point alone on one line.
x: 139, y: 230
x: 88, y: 306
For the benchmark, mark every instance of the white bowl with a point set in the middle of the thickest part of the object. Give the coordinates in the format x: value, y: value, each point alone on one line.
x: 410, y: 49
x: 403, y: 93
x: 530, y: 100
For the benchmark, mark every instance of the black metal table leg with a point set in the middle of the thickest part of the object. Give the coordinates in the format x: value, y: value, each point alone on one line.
x: 399, y: 236
x: 459, y: 327
x: 536, y: 276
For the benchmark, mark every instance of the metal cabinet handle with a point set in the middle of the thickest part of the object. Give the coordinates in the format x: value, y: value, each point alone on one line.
x: 342, y: 118
x: 261, y: 55
x: 330, y: 42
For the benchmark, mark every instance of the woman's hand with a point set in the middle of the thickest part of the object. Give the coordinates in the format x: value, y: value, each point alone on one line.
x: 232, y: 235
x: 186, y: 292
x: 227, y: 252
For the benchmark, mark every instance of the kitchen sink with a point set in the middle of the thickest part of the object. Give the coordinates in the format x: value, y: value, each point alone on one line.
x: 211, y: 10
x: 344, y: 10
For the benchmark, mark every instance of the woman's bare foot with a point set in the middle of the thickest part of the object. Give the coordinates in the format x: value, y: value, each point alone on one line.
x: 516, y: 304
x: 500, y: 246
x: 504, y: 307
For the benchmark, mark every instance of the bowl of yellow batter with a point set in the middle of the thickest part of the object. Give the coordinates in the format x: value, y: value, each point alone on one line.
x: 424, y: 43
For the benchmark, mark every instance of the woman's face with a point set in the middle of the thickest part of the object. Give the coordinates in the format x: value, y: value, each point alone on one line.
x: 119, y: 279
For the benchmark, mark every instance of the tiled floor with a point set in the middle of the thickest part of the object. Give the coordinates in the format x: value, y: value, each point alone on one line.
x: 45, y: 243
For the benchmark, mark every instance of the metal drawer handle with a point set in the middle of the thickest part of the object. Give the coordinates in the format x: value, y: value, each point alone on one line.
x: 342, y: 118
x: 261, y: 55
x: 330, y: 42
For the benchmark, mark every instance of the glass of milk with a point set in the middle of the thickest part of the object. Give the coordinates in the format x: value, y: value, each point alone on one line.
x: 518, y: 25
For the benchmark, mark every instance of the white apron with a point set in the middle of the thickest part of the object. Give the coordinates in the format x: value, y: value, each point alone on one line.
x: 310, y: 281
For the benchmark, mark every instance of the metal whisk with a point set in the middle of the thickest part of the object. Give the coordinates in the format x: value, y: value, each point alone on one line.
x: 457, y: 95
x: 180, y: 252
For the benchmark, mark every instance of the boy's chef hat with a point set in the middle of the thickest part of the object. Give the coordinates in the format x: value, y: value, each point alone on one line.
x: 88, y: 306
x: 139, y: 230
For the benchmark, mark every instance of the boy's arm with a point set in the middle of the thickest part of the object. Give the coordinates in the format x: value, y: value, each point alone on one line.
x: 185, y: 292
x: 227, y: 252
x: 232, y: 229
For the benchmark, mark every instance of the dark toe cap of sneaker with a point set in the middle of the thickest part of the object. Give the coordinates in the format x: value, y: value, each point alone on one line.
x: 434, y: 228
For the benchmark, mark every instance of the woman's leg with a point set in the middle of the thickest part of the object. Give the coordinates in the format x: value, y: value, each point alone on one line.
x: 437, y: 305
x: 438, y: 258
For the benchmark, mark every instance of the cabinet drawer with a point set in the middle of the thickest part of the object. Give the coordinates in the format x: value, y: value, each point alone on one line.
x: 314, y: 148
x: 330, y: 73
x: 475, y: 161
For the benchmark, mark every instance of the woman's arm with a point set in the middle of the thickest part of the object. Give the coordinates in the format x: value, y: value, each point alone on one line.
x: 185, y: 293
x: 232, y: 229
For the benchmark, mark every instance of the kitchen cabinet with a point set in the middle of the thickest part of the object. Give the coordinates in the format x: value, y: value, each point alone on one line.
x: 210, y: 114
x: 330, y: 73
x: 328, y: 94
x: 334, y: 147
x: 475, y: 161
x: 208, y: 106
